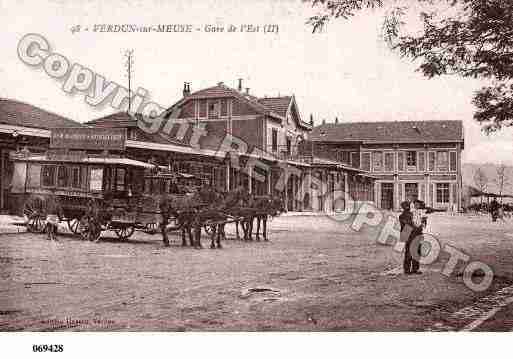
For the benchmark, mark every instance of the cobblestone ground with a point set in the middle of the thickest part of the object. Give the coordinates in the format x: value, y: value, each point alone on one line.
x: 314, y: 274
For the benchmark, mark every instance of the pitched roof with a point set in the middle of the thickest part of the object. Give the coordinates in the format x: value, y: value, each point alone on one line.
x: 126, y: 120
x: 280, y: 105
x: 17, y: 113
x: 118, y: 119
x: 221, y: 90
x: 273, y: 106
x: 390, y: 131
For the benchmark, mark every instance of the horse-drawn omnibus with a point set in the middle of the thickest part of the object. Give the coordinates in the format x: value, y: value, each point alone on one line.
x: 95, y: 192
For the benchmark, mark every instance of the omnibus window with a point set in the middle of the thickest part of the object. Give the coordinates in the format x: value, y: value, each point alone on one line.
x: 62, y: 177
x: 48, y: 176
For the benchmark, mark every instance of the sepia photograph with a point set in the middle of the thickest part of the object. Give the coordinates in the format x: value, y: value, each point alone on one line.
x: 235, y: 169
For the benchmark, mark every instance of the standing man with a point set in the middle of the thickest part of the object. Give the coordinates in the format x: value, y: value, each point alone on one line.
x: 494, y: 208
x: 409, y: 233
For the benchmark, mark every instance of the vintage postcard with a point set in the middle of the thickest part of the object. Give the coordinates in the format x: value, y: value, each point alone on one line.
x: 255, y: 166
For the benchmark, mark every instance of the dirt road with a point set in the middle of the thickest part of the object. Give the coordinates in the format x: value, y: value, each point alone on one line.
x: 314, y: 274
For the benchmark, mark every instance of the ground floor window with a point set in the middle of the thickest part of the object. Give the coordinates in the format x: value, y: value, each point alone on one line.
x: 387, y: 195
x: 48, y: 176
x: 442, y: 192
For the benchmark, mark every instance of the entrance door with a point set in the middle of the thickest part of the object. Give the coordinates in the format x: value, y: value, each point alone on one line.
x: 411, y: 191
x: 6, y: 170
x: 387, y: 196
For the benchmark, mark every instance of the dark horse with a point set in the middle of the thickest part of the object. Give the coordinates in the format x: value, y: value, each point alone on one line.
x: 265, y: 207
x: 205, y: 207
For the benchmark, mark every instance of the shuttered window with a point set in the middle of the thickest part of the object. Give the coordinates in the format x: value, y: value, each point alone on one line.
x: 442, y: 161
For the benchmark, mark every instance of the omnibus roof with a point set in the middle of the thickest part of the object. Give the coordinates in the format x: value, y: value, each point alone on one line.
x: 90, y: 160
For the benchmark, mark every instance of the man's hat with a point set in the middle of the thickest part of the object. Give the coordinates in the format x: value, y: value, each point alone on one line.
x: 405, y: 205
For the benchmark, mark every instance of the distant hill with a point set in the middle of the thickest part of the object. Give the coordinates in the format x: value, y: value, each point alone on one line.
x: 490, y: 169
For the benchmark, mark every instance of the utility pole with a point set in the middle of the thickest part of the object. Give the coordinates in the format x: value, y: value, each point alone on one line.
x: 129, y: 64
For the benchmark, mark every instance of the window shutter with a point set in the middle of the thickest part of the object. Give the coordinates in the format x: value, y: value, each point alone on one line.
x: 400, y: 161
x: 355, y: 159
x: 431, y: 187
x: 366, y: 161
x: 422, y: 194
x: 452, y: 161
x: 422, y: 161
x: 431, y: 162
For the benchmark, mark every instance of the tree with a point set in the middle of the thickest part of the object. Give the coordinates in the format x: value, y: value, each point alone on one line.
x: 501, y: 180
x: 481, y: 181
x: 467, y: 38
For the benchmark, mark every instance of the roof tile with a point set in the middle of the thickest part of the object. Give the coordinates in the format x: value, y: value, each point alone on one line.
x: 17, y: 113
x: 390, y: 131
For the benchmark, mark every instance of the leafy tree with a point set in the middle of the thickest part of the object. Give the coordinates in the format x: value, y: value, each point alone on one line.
x: 466, y: 38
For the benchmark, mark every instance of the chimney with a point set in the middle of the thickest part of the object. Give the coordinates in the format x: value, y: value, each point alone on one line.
x: 336, y: 120
x: 186, y: 89
x: 311, y: 120
x: 247, y: 90
x: 240, y: 85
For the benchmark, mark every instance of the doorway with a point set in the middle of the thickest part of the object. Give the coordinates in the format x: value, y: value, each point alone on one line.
x: 387, y: 196
x: 411, y: 191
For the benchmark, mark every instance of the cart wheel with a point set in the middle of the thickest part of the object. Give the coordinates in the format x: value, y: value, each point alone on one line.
x: 125, y: 232
x: 88, y: 229
x: 73, y: 225
x: 34, y: 210
x: 151, y: 228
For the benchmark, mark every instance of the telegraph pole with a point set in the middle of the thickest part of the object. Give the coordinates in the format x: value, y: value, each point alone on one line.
x: 129, y: 63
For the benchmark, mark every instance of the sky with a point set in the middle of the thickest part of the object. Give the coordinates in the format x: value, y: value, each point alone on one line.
x: 346, y: 71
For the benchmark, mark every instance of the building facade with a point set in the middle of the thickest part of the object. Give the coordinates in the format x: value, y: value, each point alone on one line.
x: 231, y: 138
x: 409, y: 159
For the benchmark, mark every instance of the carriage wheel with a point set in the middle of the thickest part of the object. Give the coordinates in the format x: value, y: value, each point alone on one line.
x: 88, y: 229
x: 74, y: 225
x: 34, y: 209
x: 125, y: 232
x: 151, y: 228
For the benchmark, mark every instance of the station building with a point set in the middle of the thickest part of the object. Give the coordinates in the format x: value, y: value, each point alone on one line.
x: 409, y: 159
x: 232, y: 138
